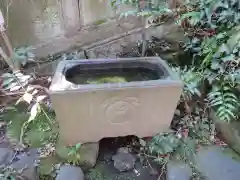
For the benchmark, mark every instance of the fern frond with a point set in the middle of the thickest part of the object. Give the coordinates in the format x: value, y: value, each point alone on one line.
x: 191, y: 80
x: 225, y: 102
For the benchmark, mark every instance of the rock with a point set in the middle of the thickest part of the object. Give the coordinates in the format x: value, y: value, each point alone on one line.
x: 216, y: 165
x: 123, y: 150
x: 230, y: 133
x: 177, y: 170
x: 70, y: 173
x: 89, y: 155
x: 26, y: 163
x: 123, y: 160
x: 6, y: 154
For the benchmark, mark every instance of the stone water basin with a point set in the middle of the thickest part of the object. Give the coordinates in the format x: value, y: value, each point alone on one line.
x: 98, y: 98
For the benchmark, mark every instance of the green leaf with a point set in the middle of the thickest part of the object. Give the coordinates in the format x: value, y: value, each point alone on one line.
x: 71, y: 152
x: 78, y: 146
x: 228, y: 58
x: 230, y: 106
x: 233, y: 40
x: 221, y: 35
x: 230, y: 100
x: 228, y: 94
x: 7, y: 81
x: 207, y: 59
x: 216, y: 103
x: 193, y: 14
x: 215, y: 65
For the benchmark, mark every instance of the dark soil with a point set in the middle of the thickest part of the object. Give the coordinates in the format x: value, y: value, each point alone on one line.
x: 105, y: 170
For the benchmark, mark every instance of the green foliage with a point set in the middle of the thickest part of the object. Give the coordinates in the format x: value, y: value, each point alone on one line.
x: 214, y: 41
x: 43, y: 126
x: 41, y: 132
x: 37, y: 133
x: 225, y: 102
x: 193, y: 17
x: 48, y: 165
x: 23, y: 55
x: 96, y: 174
x: 163, y: 144
x: 191, y: 80
x: 69, y: 154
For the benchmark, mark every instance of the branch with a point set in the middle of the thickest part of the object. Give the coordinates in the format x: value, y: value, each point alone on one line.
x: 7, y: 60
x: 8, y: 44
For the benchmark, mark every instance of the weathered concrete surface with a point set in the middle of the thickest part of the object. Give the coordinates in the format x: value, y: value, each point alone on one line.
x: 93, y: 11
x: 31, y: 22
x: 95, y: 33
x: 53, y: 26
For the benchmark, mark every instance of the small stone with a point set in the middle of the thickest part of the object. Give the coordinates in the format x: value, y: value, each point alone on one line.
x: 6, y: 154
x: 123, y: 161
x: 89, y: 155
x: 70, y: 173
x: 123, y: 150
x: 26, y: 163
x: 177, y: 170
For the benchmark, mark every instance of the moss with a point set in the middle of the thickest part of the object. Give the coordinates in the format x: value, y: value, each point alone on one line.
x: 102, y: 80
x: 101, y: 21
x: 96, y: 174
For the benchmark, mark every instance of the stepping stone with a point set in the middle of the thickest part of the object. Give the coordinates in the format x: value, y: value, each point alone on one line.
x: 70, y: 173
x: 26, y: 164
x: 216, y: 165
x: 177, y: 170
x: 6, y: 155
